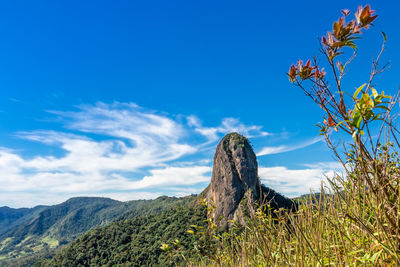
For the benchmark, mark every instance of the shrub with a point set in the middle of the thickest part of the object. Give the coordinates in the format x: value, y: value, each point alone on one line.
x: 356, y: 218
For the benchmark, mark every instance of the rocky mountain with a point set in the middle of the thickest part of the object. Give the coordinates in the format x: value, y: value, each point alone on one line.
x: 235, y: 184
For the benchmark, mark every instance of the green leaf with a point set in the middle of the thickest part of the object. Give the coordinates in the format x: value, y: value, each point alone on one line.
x: 190, y: 232
x: 338, y: 44
x: 384, y: 36
x: 165, y: 247
x: 342, y: 122
x: 374, y: 92
x: 383, y: 107
x: 358, y: 90
x: 353, y: 38
x: 357, y: 121
x: 351, y: 44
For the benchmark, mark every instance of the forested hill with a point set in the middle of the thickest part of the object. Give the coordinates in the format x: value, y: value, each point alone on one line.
x: 39, y: 231
x: 10, y: 217
x: 134, y: 242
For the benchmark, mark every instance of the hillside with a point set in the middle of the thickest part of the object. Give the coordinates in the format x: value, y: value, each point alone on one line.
x: 137, y: 241
x: 134, y: 242
x: 11, y: 217
x: 39, y: 231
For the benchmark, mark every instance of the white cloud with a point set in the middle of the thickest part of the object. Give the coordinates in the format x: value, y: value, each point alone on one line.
x: 21, y: 188
x: 124, y: 120
x: 111, y: 149
x: 295, y: 182
x: 118, y: 150
x: 286, y: 148
x: 133, y: 139
x: 227, y: 125
x: 174, y: 176
x: 332, y: 165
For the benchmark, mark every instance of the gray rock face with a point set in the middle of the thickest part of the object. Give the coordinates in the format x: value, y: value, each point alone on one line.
x: 234, y: 177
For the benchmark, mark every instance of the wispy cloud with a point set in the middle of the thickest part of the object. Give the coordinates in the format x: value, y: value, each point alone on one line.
x: 228, y: 125
x: 20, y: 181
x: 268, y: 150
x: 123, y: 151
x: 333, y: 165
x: 110, y: 150
x: 295, y: 182
x: 174, y: 176
x: 130, y: 139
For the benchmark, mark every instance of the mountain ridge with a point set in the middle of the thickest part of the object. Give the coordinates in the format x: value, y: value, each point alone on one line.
x: 45, y: 228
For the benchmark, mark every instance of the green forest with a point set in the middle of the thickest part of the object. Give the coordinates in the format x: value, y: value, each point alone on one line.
x: 42, y: 231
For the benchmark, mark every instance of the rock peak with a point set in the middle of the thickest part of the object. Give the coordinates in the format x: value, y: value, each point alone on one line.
x: 235, y: 184
x: 235, y: 174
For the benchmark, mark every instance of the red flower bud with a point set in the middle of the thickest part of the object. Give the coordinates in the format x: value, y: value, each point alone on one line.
x: 292, y: 73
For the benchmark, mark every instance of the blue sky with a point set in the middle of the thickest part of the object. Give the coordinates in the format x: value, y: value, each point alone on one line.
x: 128, y: 99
